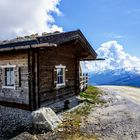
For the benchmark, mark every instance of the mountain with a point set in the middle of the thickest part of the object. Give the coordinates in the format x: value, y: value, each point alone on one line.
x: 119, y: 67
x: 111, y: 78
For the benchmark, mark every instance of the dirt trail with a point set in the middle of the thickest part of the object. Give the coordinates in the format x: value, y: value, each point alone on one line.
x: 130, y: 93
x: 119, y: 118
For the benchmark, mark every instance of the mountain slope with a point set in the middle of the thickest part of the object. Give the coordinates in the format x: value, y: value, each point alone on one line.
x: 110, y: 78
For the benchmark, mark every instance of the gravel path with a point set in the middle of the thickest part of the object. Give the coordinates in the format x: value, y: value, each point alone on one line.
x: 130, y: 93
x: 119, y: 119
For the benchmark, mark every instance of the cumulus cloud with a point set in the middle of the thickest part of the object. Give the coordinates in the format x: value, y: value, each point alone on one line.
x: 116, y: 58
x: 22, y: 17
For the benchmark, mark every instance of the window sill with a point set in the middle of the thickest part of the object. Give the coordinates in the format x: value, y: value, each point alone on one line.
x: 8, y: 87
x: 60, y: 85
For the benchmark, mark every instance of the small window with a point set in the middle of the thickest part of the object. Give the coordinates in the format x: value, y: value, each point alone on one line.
x: 60, y: 75
x: 9, y: 77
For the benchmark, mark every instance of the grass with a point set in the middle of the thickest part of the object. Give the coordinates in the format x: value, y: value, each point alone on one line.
x: 92, y: 94
x: 72, y: 123
x: 72, y: 120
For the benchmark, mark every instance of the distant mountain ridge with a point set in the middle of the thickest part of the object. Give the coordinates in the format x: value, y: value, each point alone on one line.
x: 126, y: 78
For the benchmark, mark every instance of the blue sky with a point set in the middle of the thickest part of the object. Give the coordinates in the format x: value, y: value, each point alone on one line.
x: 104, y: 20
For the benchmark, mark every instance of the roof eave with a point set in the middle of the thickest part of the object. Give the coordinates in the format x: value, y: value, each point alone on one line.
x: 92, y: 51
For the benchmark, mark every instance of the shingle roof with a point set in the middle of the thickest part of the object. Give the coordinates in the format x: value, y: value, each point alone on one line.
x: 51, y: 39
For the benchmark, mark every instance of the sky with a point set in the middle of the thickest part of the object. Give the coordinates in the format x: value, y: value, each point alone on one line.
x: 25, y: 17
x: 117, y: 60
x: 104, y: 20
x: 100, y: 20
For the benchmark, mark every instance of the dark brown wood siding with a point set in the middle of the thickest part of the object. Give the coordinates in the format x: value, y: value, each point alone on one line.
x: 48, y: 59
x: 20, y: 94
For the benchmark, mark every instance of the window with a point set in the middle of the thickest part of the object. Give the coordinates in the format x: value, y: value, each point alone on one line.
x: 60, y: 75
x: 8, y: 76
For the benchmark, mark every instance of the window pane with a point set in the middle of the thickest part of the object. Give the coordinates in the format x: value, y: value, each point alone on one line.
x: 60, y: 75
x: 58, y: 81
x: 60, y: 71
x: 61, y: 79
x: 8, y: 76
x: 12, y: 77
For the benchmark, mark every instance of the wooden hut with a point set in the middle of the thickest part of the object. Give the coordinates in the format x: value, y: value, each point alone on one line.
x: 42, y: 69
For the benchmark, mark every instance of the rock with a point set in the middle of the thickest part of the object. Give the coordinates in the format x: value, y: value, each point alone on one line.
x: 24, y: 136
x: 45, y: 119
x: 48, y: 136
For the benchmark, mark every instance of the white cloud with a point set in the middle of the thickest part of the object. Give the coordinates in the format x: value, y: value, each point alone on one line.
x: 22, y: 17
x: 116, y: 58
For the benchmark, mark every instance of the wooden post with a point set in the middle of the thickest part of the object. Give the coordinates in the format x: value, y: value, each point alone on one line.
x: 33, y: 80
x: 29, y: 79
x: 77, y: 79
x: 86, y: 80
x: 36, y: 78
x: 38, y: 84
x: 80, y: 81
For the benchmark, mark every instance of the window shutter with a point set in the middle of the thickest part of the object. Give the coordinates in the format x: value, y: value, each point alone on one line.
x: 17, y: 77
x: 54, y: 77
x: 66, y: 76
x: 2, y: 71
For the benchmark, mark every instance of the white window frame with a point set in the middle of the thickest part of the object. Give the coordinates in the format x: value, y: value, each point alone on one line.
x: 64, y: 79
x: 4, y: 67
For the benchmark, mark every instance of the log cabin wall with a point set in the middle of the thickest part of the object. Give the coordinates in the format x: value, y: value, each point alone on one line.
x: 48, y: 59
x: 19, y: 94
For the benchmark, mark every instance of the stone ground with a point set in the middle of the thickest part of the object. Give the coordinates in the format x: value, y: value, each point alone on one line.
x: 14, y: 121
x: 119, y: 119
x: 11, y: 117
